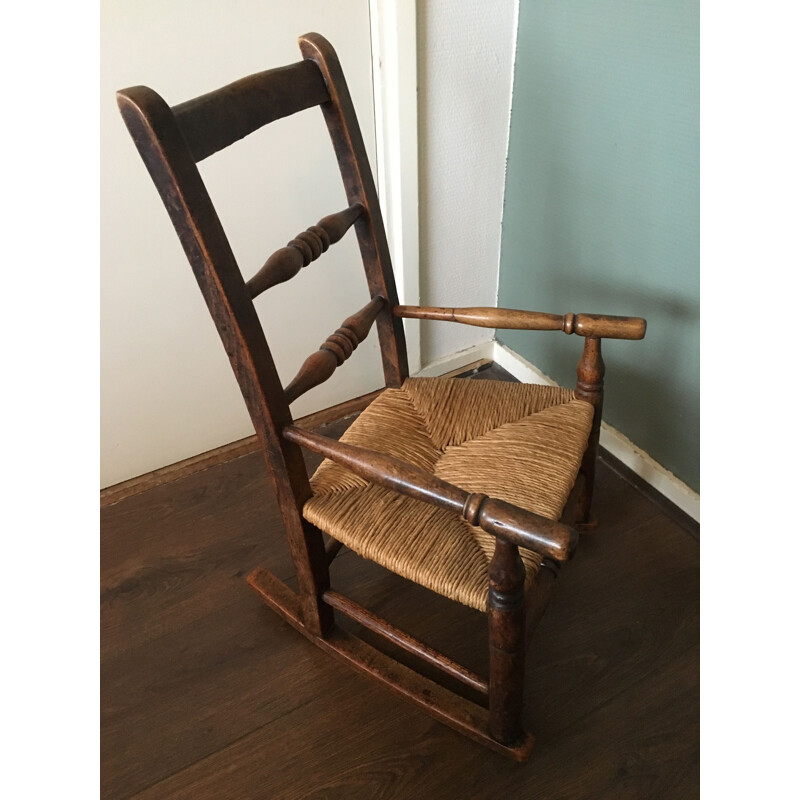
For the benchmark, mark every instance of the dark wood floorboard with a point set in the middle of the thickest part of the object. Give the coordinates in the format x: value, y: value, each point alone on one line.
x: 207, y: 694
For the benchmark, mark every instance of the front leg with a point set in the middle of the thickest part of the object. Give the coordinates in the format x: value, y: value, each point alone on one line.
x: 506, y: 608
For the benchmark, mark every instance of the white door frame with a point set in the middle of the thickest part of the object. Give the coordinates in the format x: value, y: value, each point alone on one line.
x: 393, y: 33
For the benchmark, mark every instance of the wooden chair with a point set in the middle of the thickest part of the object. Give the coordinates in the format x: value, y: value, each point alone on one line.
x: 462, y: 486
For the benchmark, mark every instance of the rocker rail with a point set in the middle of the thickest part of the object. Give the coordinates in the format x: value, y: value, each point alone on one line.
x: 503, y: 520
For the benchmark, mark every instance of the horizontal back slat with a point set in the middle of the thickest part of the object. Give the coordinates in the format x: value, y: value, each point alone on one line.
x: 215, y: 120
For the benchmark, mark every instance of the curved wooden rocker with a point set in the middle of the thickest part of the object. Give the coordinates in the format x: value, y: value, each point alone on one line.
x: 466, y: 487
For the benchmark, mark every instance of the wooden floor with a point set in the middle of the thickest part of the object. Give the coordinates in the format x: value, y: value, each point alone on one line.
x: 207, y: 694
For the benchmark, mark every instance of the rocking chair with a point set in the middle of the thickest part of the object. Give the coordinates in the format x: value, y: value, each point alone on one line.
x: 466, y: 487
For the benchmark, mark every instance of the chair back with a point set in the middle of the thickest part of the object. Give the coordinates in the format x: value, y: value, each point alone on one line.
x: 172, y: 140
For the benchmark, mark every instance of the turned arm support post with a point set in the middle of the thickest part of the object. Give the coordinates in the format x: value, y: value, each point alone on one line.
x: 591, y: 370
x: 595, y: 325
x: 503, y: 520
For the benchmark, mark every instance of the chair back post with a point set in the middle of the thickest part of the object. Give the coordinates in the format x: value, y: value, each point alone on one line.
x: 591, y: 370
x: 172, y: 166
x: 359, y: 185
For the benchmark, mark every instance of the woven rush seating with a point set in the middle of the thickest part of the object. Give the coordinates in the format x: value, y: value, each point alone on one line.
x: 520, y: 443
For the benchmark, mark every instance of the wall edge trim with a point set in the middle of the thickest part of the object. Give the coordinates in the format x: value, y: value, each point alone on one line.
x: 461, y: 358
x: 393, y: 41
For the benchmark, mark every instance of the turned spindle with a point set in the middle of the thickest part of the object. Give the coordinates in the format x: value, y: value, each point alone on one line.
x: 306, y: 247
x: 334, y: 351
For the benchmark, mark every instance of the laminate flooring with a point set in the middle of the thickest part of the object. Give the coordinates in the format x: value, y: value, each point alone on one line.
x: 208, y: 694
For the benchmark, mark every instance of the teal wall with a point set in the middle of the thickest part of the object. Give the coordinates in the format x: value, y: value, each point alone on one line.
x: 602, y: 204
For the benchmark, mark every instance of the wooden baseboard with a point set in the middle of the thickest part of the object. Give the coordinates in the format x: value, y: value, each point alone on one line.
x: 674, y: 512
x: 227, y: 452
x: 456, y: 363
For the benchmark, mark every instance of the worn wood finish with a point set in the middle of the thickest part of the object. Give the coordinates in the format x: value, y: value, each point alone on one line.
x: 334, y: 351
x: 454, y: 711
x: 501, y: 519
x: 359, y: 185
x: 591, y: 370
x: 612, y: 671
x: 506, y: 612
x: 215, y: 120
x: 306, y: 247
x: 332, y: 548
x: 163, y: 148
x: 608, y: 327
x: 605, y: 326
x: 170, y: 142
x: 538, y: 596
x: 408, y: 643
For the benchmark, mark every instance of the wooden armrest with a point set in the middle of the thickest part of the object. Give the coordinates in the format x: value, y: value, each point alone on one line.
x: 596, y: 326
x: 503, y: 520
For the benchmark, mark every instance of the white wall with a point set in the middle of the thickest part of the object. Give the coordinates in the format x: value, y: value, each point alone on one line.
x: 465, y: 68
x: 167, y: 389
